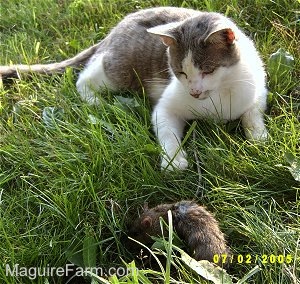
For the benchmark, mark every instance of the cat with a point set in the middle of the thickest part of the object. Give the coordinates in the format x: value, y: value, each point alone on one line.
x: 192, y: 64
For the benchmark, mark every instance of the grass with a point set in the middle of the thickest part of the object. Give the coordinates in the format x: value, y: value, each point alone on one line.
x: 73, y: 175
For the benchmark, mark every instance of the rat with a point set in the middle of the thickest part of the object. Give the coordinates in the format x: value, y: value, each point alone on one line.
x: 193, y: 224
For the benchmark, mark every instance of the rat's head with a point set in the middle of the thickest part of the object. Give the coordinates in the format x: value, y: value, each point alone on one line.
x: 148, y: 224
x: 200, y: 51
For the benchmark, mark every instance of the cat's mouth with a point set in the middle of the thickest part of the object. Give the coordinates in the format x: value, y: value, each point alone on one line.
x: 200, y: 95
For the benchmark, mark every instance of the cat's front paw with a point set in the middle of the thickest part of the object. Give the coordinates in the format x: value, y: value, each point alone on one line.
x: 177, y: 163
x: 257, y: 134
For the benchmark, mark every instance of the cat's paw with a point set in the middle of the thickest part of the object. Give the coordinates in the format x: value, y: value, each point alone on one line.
x: 86, y: 93
x: 257, y: 134
x: 178, y: 163
x: 89, y: 97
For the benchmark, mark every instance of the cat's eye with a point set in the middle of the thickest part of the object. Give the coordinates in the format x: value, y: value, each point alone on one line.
x: 208, y: 72
x: 183, y: 73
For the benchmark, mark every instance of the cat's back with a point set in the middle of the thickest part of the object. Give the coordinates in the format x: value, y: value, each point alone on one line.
x: 156, y: 16
x: 133, y: 28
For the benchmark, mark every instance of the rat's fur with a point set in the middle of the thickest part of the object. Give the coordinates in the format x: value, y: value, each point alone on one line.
x: 192, y: 65
x: 193, y: 223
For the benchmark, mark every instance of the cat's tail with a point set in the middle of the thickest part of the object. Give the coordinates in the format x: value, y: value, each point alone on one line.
x: 14, y: 71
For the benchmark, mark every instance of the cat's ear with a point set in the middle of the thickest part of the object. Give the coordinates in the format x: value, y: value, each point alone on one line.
x: 222, y: 35
x: 167, y: 40
x: 165, y: 33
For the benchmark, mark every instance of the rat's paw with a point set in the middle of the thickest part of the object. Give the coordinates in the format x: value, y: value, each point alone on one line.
x: 178, y: 163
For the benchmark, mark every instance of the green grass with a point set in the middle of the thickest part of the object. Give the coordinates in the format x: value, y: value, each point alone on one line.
x: 80, y: 176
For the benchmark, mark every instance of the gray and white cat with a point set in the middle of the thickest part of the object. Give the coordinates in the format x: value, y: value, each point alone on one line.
x: 192, y: 65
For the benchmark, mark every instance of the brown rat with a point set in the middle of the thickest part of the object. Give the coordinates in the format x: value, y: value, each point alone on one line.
x: 193, y: 224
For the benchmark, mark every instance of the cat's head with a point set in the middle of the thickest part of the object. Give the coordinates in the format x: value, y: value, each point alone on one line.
x: 200, y: 51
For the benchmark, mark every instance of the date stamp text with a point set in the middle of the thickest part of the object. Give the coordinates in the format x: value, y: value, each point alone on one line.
x: 253, y: 259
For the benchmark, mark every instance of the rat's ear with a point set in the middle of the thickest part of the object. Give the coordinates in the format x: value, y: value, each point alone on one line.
x: 165, y: 33
x: 146, y: 222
